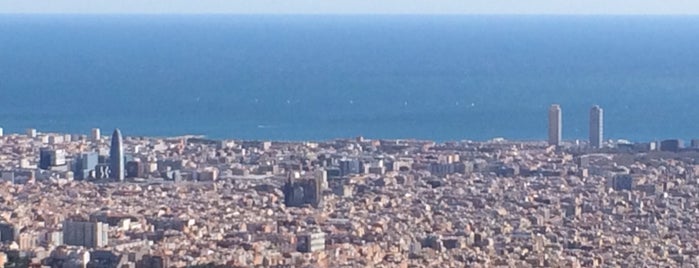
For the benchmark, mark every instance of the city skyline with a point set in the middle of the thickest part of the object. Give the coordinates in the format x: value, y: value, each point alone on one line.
x: 408, y: 137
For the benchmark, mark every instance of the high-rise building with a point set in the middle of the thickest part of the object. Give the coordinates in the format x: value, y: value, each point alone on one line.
x: 96, y: 134
x: 350, y: 166
x: 672, y: 145
x: 321, y: 176
x: 303, y: 192
x: 135, y: 169
x: 102, y: 171
x: 31, y: 132
x: 44, y: 158
x: 555, y: 125
x: 51, y: 158
x: 596, y: 127
x: 116, y: 156
x: 85, y: 164
x: 85, y: 233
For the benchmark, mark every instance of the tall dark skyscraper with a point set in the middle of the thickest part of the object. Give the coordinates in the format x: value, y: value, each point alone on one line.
x: 596, y: 127
x: 555, y: 125
x: 116, y: 156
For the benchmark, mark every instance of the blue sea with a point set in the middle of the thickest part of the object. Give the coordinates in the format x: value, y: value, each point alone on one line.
x: 324, y: 77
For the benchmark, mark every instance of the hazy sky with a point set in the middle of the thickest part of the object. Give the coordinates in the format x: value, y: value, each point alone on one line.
x: 355, y: 6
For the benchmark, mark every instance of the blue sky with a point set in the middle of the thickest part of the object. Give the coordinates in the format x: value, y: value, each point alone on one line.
x: 355, y: 6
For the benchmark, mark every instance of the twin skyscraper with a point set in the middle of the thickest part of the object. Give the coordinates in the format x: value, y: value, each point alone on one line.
x: 596, y: 126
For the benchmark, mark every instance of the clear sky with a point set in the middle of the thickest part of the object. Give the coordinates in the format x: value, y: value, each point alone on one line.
x: 355, y: 6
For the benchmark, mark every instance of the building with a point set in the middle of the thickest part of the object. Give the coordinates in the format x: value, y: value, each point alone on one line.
x: 85, y: 233
x: 694, y: 143
x: 116, y: 156
x: 303, y: 192
x: 555, y: 125
x: 153, y: 261
x: 135, y: 169
x: 441, y: 169
x: 31, y: 132
x: 27, y: 241
x: 106, y: 259
x: 102, y: 171
x: 44, y: 158
x: 85, y: 165
x: 310, y: 242
x: 673, y: 145
x: 623, y: 182
x: 8, y: 232
x: 596, y: 127
x: 322, y: 178
x: 1, y: 132
x: 51, y: 158
x: 96, y: 134
x: 350, y: 166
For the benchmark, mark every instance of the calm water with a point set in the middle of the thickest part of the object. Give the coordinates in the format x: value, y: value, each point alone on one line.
x: 321, y: 77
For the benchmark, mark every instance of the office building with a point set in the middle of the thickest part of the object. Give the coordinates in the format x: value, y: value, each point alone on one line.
x: 103, y: 171
x: 51, y: 158
x: 310, y: 242
x: 555, y: 125
x: 596, y: 127
x: 8, y: 232
x: 135, y: 169
x: 623, y: 182
x: 694, y: 143
x: 303, y: 192
x: 96, y: 134
x: 322, y: 178
x: 31, y: 133
x: 85, y: 165
x: 442, y: 169
x: 86, y: 234
x: 673, y: 145
x: 350, y: 166
x: 116, y: 156
x: 44, y: 158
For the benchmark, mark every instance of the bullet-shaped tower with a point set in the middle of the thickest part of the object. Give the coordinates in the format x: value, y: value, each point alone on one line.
x: 116, y: 156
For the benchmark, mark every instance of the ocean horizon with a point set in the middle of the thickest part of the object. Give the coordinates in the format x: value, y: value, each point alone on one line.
x: 320, y: 77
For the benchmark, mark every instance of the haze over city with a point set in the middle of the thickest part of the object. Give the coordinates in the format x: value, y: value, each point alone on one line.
x: 304, y: 133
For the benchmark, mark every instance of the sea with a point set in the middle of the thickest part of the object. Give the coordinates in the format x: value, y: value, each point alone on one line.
x: 321, y: 77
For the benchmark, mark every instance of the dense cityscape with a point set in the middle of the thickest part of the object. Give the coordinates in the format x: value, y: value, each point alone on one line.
x: 70, y: 200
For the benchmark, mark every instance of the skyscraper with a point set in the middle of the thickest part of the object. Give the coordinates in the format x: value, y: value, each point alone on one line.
x: 596, y: 127
x: 116, y: 156
x: 95, y: 134
x: 85, y: 164
x: 51, y: 158
x: 555, y: 125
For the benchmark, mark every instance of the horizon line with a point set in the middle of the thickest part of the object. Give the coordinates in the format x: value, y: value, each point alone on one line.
x: 358, y: 14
